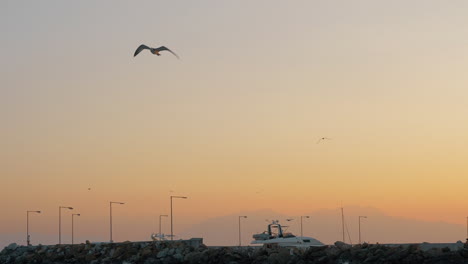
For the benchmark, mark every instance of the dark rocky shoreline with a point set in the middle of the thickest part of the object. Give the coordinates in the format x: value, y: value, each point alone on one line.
x: 180, y: 252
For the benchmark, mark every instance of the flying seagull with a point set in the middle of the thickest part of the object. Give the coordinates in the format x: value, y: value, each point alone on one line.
x: 324, y: 138
x: 153, y: 50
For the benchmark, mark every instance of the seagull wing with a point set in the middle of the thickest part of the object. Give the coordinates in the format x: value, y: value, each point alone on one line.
x: 139, y: 49
x: 165, y: 48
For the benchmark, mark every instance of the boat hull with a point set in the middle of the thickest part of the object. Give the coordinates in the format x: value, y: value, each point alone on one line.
x: 298, y: 242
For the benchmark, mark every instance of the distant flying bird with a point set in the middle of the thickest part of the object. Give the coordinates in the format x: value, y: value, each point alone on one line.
x: 324, y: 138
x: 155, y: 51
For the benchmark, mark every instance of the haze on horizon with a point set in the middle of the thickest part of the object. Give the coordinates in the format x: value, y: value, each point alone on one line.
x: 233, y: 125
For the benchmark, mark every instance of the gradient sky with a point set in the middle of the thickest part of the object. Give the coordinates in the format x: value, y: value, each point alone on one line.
x: 234, y: 123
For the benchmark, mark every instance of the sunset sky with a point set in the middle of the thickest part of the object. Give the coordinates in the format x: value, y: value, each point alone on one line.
x: 234, y: 124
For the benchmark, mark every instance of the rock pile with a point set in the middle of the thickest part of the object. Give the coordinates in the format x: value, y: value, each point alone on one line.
x: 178, y: 252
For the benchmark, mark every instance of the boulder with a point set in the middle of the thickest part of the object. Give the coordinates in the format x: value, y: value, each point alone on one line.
x: 282, y: 256
x: 162, y: 253
x: 118, y: 252
x: 342, y: 245
x: 178, y: 256
x: 193, y: 257
x: 150, y: 261
x: 12, y: 246
x: 90, y: 257
x: 146, y: 252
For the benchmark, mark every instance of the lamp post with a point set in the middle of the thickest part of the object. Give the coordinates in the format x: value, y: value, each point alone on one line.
x: 72, y: 225
x: 60, y: 221
x: 160, y: 234
x: 27, y: 226
x: 110, y: 206
x: 306, y: 216
x: 241, y: 216
x: 182, y: 197
x: 361, y: 216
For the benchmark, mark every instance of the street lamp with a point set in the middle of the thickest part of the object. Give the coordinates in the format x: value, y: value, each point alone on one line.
x: 27, y: 226
x: 60, y: 221
x: 306, y: 216
x: 110, y: 206
x: 361, y: 216
x: 242, y: 216
x: 72, y: 225
x: 160, y: 234
x: 182, y: 197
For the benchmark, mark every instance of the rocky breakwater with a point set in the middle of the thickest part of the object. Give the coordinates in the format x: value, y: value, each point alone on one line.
x: 179, y: 252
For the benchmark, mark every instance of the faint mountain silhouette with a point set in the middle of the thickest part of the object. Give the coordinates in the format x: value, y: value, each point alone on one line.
x: 325, y: 225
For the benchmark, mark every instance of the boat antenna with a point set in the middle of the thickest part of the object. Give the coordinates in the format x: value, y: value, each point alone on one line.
x: 344, y: 226
x: 347, y: 231
x: 342, y: 222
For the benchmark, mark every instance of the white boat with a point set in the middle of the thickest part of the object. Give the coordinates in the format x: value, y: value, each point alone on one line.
x: 278, y: 238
